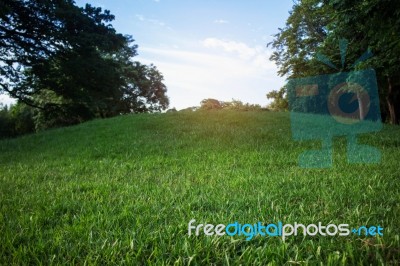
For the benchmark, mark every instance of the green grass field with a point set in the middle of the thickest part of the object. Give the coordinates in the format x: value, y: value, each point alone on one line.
x: 123, y: 190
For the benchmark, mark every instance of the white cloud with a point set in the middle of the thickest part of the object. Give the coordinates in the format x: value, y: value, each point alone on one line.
x: 140, y: 17
x: 195, y: 75
x: 242, y: 49
x: 258, y: 55
x: 221, y: 21
x: 151, y: 21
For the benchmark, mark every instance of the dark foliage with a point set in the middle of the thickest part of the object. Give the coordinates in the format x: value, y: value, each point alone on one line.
x: 71, y: 65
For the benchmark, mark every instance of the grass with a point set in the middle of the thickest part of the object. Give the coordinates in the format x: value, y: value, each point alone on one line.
x: 123, y: 190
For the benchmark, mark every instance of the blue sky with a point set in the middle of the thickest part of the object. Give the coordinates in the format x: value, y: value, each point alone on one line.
x: 205, y: 49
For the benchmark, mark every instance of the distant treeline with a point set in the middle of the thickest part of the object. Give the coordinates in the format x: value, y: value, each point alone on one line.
x: 20, y: 118
x: 214, y: 104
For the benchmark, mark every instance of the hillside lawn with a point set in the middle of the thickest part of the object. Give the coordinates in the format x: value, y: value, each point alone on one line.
x: 123, y: 190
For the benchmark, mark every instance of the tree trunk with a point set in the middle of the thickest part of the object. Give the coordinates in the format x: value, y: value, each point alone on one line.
x: 390, y: 98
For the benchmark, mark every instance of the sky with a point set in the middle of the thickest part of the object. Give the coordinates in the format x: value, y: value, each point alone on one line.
x: 204, y: 48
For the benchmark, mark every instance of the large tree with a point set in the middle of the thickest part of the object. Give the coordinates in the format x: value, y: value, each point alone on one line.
x: 64, y: 59
x: 374, y: 24
x: 315, y: 27
x: 296, y: 44
x: 38, y: 35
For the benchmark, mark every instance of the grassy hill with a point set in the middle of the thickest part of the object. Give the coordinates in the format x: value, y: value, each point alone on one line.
x: 123, y: 190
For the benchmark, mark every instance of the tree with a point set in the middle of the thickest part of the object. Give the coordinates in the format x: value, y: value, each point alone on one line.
x: 70, y: 63
x: 296, y: 44
x: 279, y: 100
x: 316, y: 26
x: 16, y: 120
x: 39, y: 35
x: 144, y: 90
x: 375, y: 24
x: 210, y: 104
x: 238, y: 105
x: 7, y: 124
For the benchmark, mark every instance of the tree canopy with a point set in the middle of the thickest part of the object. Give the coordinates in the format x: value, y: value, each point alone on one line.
x: 315, y: 28
x: 69, y: 61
